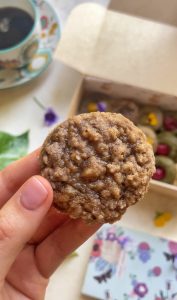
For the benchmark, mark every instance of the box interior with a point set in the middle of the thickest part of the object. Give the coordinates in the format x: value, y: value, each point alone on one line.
x: 91, y: 85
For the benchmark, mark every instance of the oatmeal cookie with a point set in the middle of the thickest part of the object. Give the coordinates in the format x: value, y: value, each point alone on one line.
x: 98, y: 165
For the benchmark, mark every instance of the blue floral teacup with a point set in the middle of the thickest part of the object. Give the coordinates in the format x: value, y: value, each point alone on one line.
x: 19, y: 32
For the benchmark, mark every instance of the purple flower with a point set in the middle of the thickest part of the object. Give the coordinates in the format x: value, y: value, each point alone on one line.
x: 123, y: 241
x: 50, y: 117
x: 141, y: 290
x: 144, y: 256
x: 102, y: 106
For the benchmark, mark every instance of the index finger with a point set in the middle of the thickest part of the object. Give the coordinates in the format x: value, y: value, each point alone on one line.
x: 13, y: 176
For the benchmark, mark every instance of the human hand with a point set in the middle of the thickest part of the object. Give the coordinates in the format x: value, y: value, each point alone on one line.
x: 34, y: 238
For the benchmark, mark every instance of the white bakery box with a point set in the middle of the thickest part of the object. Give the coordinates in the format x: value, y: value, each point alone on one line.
x: 124, y: 55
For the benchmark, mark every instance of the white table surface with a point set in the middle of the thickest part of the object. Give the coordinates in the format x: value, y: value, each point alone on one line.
x: 18, y: 113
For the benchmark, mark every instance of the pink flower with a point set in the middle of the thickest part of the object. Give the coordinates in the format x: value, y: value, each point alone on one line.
x: 144, y: 246
x: 173, y: 247
x: 156, y: 271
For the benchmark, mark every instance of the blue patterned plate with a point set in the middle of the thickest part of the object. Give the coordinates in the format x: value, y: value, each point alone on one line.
x: 50, y: 35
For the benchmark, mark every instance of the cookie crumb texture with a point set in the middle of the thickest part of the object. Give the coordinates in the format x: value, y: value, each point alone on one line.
x: 98, y: 165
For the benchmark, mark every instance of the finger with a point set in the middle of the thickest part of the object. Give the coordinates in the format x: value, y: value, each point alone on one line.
x: 52, y: 220
x: 13, y: 176
x: 20, y: 217
x: 57, y: 246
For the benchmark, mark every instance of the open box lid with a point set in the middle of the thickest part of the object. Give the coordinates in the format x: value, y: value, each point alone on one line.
x: 158, y: 10
x: 120, y: 48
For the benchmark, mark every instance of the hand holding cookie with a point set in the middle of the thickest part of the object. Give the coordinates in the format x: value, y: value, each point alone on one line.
x: 98, y: 165
x: 34, y: 237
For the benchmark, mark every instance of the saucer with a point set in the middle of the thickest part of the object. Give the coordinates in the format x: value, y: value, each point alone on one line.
x: 50, y: 35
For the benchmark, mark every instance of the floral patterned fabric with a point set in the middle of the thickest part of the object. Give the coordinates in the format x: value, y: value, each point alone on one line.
x: 127, y: 264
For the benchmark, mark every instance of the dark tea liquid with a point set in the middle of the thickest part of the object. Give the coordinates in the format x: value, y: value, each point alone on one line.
x: 15, y: 25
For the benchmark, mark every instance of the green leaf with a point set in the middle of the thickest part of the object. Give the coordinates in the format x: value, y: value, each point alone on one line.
x: 12, y: 147
x: 74, y: 254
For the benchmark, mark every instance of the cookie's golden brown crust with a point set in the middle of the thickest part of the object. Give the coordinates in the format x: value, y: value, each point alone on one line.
x: 98, y: 165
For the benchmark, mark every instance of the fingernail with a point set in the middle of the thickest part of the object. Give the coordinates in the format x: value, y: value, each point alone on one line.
x: 33, y: 195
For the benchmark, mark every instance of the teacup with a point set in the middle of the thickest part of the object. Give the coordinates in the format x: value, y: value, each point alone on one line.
x: 19, y: 32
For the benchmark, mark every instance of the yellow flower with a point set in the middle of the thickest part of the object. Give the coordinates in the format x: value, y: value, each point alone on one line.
x: 162, y: 218
x: 167, y: 216
x: 92, y: 107
x: 159, y: 222
x: 152, y: 119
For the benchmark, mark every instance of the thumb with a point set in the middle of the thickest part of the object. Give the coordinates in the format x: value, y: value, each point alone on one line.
x: 20, y: 217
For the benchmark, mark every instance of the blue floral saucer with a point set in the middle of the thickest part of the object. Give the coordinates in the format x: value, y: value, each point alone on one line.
x: 50, y: 35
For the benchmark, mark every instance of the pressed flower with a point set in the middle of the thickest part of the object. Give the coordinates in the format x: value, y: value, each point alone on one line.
x: 159, y: 222
x: 50, y: 116
x: 161, y: 219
